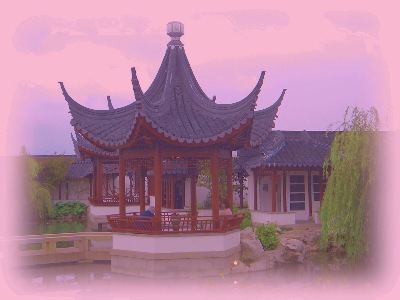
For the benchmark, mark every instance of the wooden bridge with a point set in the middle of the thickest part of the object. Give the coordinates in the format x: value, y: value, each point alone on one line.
x: 56, y: 248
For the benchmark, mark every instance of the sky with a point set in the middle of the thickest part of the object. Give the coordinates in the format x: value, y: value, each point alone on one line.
x: 327, y: 56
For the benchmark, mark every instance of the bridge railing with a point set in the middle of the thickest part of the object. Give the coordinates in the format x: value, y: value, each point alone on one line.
x: 57, y: 248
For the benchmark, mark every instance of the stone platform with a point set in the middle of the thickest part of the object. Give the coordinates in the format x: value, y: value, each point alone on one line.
x: 180, y: 255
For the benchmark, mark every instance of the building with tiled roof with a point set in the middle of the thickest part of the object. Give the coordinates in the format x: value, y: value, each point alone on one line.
x: 284, y: 175
x: 167, y: 135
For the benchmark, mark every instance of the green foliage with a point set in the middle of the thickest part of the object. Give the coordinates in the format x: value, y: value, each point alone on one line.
x: 235, y: 209
x: 74, y: 208
x: 53, y: 171
x: 37, y: 197
x: 60, y: 227
x: 268, y: 236
x: 247, y: 220
x: 350, y: 172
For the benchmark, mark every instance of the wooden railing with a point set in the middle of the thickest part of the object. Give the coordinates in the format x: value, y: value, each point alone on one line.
x: 57, y: 248
x: 113, y: 200
x: 172, y: 223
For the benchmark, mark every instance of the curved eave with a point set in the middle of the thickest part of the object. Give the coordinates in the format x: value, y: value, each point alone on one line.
x: 196, y: 142
x: 85, y: 147
x: 263, y: 122
x: 104, y: 128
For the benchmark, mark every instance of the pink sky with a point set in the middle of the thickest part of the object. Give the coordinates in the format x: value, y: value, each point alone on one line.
x: 327, y: 56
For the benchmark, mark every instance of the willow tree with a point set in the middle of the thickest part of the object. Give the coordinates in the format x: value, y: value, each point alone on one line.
x: 345, y: 211
x: 37, y: 197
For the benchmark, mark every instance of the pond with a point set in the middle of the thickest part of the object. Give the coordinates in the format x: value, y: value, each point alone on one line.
x: 96, y: 281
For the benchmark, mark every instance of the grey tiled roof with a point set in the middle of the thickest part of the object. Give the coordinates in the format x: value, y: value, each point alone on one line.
x: 175, y: 106
x: 289, y: 149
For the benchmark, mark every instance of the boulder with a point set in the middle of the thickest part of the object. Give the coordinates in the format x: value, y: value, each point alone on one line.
x: 251, y: 249
x: 265, y: 263
x: 240, y: 268
x: 247, y: 234
x: 295, y: 245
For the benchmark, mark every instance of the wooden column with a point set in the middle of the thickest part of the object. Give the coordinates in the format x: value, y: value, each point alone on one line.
x: 121, y: 181
x: 284, y: 191
x: 158, y: 182
x: 309, y: 193
x: 273, y: 190
x: 321, y: 187
x: 141, y: 173
x: 255, y: 189
x: 241, y: 183
x: 193, y: 199
x: 99, y: 181
x: 214, y: 168
x: 229, y: 183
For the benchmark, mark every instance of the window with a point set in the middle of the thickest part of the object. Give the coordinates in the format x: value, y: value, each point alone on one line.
x: 297, y: 191
x: 315, y: 180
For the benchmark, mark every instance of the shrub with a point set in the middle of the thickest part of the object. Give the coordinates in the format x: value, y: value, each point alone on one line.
x: 268, y: 236
x: 74, y: 208
x: 247, y: 220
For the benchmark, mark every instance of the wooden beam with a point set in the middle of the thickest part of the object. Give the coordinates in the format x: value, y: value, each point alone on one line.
x: 158, y: 181
x: 214, y: 170
x: 193, y: 199
x: 142, y: 189
x: 229, y: 183
x: 121, y: 181
x: 99, y: 182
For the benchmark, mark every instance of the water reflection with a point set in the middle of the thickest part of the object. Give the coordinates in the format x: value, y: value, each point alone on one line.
x: 288, y: 281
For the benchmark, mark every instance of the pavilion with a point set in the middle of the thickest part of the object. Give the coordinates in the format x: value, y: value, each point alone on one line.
x: 170, y: 133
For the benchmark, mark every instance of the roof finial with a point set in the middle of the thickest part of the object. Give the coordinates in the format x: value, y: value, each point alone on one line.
x: 175, y: 30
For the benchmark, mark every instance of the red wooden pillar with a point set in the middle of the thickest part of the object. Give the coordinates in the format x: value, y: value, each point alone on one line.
x: 99, y: 181
x: 229, y: 184
x: 158, y: 182
x: 141, y: 173
x: 309, y: 193
x: 193, y: 199
x: 255, y: 189
x: 284, y: 191
x: 273, y: 190
x: 214, y: 168
x: 121, y: 181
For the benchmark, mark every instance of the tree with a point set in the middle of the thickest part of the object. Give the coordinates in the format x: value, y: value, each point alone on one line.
x: 37, y: 197
x: 53, y: 171
x: 345, y: 211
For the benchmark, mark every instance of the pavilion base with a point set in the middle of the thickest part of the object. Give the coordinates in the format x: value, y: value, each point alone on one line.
x: 169, y: 256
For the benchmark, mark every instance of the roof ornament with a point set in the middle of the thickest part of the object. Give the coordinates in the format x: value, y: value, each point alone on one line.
x: 110, y: 106
x: 214, y: 98
x: 175, y: 30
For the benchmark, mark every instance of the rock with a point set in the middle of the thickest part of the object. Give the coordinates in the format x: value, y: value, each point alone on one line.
x: 248, y: 234
x: 294, y: 245
x: 265, y: 263
x: 251, y: 249
x: 240, y: 268
x: 275, y: 255
x: 311, y: 236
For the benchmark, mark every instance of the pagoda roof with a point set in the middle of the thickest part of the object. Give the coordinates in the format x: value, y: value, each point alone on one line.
x: 175, y: 107
x: 289, y: 149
